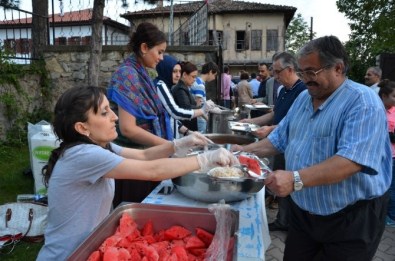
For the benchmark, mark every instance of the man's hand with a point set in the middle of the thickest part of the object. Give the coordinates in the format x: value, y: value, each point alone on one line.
x: 280, y: 182
x: 263, y: 132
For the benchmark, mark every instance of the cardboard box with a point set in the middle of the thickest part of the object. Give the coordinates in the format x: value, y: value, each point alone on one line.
x: 161, y: 215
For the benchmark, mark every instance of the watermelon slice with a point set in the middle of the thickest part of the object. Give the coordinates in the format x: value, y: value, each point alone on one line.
x: 95, y: 256
x: 252, y: 164
x: 176, y: 232
x: 194, y: 242
x: 204, y: 235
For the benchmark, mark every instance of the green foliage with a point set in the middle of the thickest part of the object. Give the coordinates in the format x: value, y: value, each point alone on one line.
x: 372, y: 32
x: 298, y: 33
x: 13, y: 97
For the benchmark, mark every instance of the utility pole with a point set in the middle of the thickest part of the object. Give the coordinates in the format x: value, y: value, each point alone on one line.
x: 311, y: 28
x: 171, y: 23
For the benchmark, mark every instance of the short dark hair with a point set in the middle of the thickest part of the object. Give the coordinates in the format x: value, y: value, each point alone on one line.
x: 329, y: 49
x: 209, y: 67
x: 244, y: 75
x: 226, y: 69
x: 187, y: 67
x: 145, y: 33
x: 253, y: 75
x: 386, y: 87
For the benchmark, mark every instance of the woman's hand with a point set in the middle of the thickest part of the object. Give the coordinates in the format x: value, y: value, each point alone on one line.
x: 216, y: 158
x: 183, y: 145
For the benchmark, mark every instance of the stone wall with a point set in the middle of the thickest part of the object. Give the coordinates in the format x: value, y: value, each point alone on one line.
x: 67, y: 66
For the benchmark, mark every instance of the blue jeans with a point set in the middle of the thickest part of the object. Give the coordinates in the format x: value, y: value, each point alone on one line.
x: 202, y: 124
x: 391, y: 204
x: 225, y: 103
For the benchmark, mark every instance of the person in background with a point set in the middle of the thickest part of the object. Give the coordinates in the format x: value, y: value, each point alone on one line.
x: 338, y: 160
x: 208, y: 73
x: 169, y: 73
x: 373, y: 77
x: 272, y: 86
x: 80, y: 173
x: 284, y: 67
x: 143, y: 120
x: 387, y: 95
x: 264, y: 73
x: 226, y: 81
x: 182, y: 95
x: 254, y: 83
x: 244, y: 95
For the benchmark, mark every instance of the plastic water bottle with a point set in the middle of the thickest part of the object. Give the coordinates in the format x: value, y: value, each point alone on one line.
x: 29, y: 197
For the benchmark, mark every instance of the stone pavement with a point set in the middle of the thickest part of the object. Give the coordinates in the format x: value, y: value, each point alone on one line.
x: 385, y: 251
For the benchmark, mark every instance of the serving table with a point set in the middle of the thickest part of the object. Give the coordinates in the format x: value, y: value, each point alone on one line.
x: 253, y: 234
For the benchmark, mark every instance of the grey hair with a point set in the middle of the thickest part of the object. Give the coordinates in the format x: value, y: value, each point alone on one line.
x: 329, y: 49
x: 286, y: 60
x: 376, y: 70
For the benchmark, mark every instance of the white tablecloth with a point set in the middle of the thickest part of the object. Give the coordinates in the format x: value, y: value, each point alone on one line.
x: 253, y: 234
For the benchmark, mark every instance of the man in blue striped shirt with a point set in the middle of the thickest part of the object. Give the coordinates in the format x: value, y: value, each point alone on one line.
x: 338, y: 160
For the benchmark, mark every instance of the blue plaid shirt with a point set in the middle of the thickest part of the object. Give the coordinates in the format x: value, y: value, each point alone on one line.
x: 352, y: 124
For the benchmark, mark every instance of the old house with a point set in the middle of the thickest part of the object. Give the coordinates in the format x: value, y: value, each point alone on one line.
x: 247, y: 33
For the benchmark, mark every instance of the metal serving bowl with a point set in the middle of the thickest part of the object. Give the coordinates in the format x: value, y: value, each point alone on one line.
x: 201, y: 187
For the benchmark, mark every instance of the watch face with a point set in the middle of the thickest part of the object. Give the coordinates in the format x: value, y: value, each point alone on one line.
x: 298, y: 186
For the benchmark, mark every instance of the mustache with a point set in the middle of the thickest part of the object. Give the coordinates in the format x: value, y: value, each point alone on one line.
x: 311, y: 83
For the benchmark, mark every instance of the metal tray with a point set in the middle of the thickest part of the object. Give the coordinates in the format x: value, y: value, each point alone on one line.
x: 163, y: 216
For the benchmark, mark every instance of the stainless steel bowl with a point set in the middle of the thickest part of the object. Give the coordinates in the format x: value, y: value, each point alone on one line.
x: 201, y: 187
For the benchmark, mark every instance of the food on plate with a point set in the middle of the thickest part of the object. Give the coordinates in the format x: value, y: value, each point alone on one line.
x: 252, y: 164
x: 222, y: 172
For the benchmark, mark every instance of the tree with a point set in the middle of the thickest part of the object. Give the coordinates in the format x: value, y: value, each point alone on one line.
x: 372, y: 32
x: 39, y: 27
x: 297, y: 34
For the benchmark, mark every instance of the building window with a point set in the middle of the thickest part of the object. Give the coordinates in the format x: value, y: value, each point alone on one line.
x: 240, y: 40
x: 211, y: 37
x: 10, y: 45
x: 272, y: 40
x: 61, y: 41
x: 23, y: 46
x: 74, y: 40
x: 256, y: 40
x: 86, y: 40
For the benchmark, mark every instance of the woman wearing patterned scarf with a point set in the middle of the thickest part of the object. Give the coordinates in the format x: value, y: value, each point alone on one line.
x: 142, y: 116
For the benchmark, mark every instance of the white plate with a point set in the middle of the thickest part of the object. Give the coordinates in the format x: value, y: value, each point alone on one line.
x: 240, y: 126
x: 257, y: 107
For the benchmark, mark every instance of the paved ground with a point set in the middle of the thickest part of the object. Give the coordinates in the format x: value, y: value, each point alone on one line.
x: 385, y: 252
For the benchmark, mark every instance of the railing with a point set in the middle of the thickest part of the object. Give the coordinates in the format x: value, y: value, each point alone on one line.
x: 64, y: 28
x: 193, y: 31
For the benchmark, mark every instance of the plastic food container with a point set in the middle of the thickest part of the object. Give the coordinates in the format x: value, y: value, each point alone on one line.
x: 162, y: 217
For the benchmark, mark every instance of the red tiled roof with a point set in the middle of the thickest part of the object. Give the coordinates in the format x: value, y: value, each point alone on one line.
x: 73, y: 16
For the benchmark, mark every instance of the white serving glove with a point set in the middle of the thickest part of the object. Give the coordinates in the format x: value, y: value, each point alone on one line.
x: 183, y: 145
x: 208, y: 106
x: 216, y: 158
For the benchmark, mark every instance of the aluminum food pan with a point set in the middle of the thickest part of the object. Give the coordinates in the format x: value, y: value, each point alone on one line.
x: 162, y: 216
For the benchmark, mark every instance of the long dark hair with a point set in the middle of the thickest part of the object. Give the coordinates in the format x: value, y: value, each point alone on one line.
x: 72, y: 107
x: 145, y: 33
x: 386, y: 87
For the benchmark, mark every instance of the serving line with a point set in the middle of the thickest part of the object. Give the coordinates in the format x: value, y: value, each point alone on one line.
x: 253, y: 234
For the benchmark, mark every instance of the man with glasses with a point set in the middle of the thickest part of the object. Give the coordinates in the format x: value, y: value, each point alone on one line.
x: 284, y: 68
x: 338, y: 160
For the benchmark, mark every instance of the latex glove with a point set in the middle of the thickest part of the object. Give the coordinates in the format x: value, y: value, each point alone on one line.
x: 183, y: 145
x: 208, y: 106
x: 216, y: 158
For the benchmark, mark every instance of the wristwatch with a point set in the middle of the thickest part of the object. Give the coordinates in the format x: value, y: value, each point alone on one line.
x: 298, y: 184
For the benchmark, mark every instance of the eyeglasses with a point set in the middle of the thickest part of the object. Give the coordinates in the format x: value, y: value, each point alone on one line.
x: 279, y: 71
x: 310, y: 74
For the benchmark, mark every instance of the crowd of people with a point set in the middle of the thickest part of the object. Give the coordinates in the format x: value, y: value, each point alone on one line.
x: 332, y: 141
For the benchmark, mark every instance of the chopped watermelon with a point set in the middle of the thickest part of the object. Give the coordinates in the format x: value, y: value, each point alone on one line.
x: 148, y: 229
x: 180, y: 252
x: 204, y: 235
x: 111, y: 254
x: 95, y: 256
x: 195, y: 242
x: 252, y: 164
x: 198, y: 252
x: 176, y: 232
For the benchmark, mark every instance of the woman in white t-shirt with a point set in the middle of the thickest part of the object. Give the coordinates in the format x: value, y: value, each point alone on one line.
x: 80, y: 173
